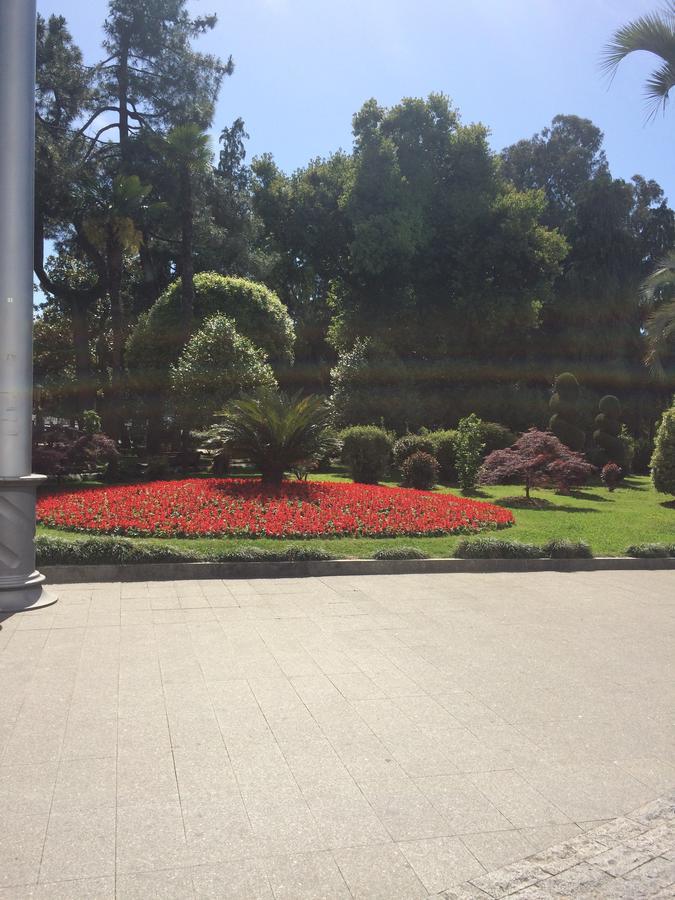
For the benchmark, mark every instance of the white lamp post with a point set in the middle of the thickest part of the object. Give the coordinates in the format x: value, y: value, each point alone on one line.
x: 20, y: 583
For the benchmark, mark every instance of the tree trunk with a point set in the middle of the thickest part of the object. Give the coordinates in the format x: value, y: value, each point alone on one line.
x: 187, y: 264
x: 115, y: 258
x: 86, y: 397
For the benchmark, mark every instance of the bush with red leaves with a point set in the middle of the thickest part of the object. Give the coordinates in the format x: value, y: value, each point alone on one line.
x: 67, y: 451
x: 537, y: 459
x: 611, y: 475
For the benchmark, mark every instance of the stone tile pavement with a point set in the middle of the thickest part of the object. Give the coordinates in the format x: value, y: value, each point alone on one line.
x: 366, y: 737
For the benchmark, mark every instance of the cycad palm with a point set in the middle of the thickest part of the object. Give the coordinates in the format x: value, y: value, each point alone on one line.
x: 660, y: 327
x: 278, y: 433
x: 653, y: 33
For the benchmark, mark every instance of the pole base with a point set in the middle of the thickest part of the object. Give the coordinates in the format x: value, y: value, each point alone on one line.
x: 23, y: 599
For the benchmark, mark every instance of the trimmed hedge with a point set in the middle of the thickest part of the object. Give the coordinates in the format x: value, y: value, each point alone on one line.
x: 651, y: 551
x: 491, y: 548
x: 53, y: 551
x: 443, y: 443
x: 564, y: 549
x: 400, y: 553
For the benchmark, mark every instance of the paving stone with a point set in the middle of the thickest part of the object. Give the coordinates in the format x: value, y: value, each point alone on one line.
x: 510, y: 879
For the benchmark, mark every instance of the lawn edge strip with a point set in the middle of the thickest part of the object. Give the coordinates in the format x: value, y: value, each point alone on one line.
x: 181, y: 571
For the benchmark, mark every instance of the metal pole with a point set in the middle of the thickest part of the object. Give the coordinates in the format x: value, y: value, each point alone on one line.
x: 20, y: 583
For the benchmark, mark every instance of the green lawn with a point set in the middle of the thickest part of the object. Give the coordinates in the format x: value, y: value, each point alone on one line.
x: 609, y: 522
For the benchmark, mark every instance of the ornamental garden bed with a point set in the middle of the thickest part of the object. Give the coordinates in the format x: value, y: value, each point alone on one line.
x: 634, y: 514
x: 231, y: 507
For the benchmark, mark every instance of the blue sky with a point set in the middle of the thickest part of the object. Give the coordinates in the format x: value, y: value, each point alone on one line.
x: 303, y: 67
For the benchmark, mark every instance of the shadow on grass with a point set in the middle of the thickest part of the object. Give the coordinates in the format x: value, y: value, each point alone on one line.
x: 668, y: 504
x: 628, y: 485
x: 587, y: 495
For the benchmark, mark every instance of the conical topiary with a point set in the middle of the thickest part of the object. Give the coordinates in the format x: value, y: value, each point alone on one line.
x: 608, y: 429
x: 565, y: 419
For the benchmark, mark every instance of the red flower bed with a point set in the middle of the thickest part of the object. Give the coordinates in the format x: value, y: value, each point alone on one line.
x: 213, y: 507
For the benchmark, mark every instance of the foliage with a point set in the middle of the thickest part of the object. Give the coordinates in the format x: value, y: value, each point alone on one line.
x: 564, y: 549
x: 61, y: 450
x: 663, y: 459
x: 536, y: 459
x: 658, y: 292
x: 651, y: 551
x: 469, y: 446
x: 653, y: 33
x: 243, y: 507
x: 91, y: 421
x: 257, y: 312
x: 420, y: 470
x: 216, y: 365
x: 277, y: 432
x: 366, y: 451
x: 496, y: 437
x: 408, y: 444
x: 444, y: 450
x: 491, y: 548
x: 54, y: 551
x: 611, y: 475
x: 565, y: 419
x: 400, y: 553
x: 608, y: 431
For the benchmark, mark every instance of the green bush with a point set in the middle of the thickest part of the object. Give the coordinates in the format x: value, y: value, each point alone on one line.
x: 104, y: 551
x: 444, y: 449
x: 496, y: 437
x: 564, y: 549
x: 420, y: 471
x: 51, y: 551
x: 366, y: 451
x: 492, y: 548
x: 411, y: 443
x: 651, y: 551
x: 663, y: 459
x: 400, y: 553
x: 468, y: 449
x: 608, y: 432
x: 564, y: 422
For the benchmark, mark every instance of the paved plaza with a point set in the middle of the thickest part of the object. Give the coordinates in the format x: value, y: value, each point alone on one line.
x: 348, y: 737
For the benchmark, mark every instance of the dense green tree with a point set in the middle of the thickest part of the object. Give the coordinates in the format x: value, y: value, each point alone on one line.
x: 658, y: 292
x: 663, y: 459
x: 216, y: 365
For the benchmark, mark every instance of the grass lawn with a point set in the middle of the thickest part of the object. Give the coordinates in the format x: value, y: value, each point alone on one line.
x: 609, y: 522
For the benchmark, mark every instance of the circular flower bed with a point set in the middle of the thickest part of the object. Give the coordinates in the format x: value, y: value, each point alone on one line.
x: 215, y: 507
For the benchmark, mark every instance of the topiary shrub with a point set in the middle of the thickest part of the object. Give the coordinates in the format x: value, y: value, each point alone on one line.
x: 663, y: 459
x: 468, y: 449
x: 496, y: 437
x: 491, y: 548
x: 608, y: 432
x: 420, y: 470
x: 366, y: 451
x: 564, y: 549
x: 611, y: 475
x: 445, y: 451
x: 400, y: 553
x: 408, y: 444
x: 537, y: 459
x: 564, y: 422
x: 651, y: 551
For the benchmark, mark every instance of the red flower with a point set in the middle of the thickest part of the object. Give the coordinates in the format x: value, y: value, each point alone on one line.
x: 216, y: 507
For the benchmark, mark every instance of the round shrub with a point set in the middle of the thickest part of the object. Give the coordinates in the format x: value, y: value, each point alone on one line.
x: 444, y: 449
x: 611, y: 475
x: 663, y: 459
x: 366, y: 451
x: 564, y: 422
x: 408, y: 444
x: 420, y: 470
